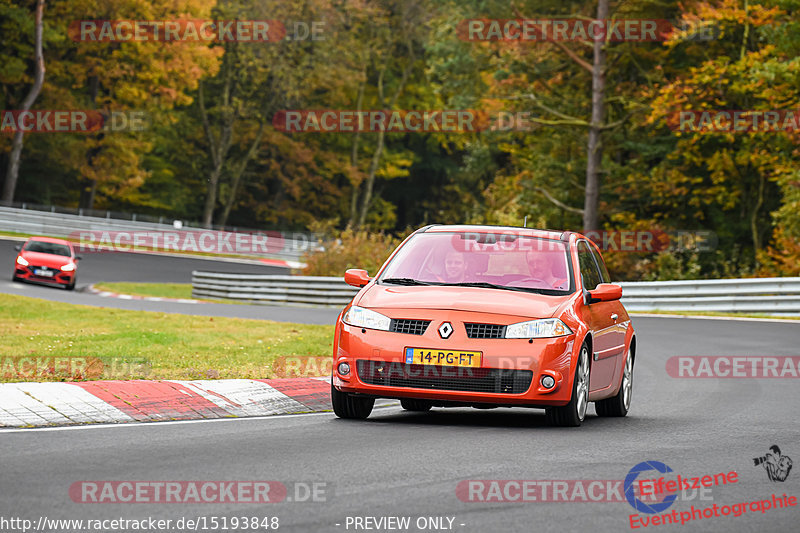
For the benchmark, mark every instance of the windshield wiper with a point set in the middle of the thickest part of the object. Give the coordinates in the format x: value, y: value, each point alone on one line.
x: 487, y: 285
x: 405, y: 281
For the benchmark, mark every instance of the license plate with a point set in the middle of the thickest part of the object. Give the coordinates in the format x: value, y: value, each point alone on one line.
x: 45, y: 273
x: 428, y: 356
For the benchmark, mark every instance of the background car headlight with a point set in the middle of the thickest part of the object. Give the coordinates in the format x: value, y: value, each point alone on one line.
x: 22, y: 261
x: 69, y: 267
x: 366, y: 318
x: 547, y: 327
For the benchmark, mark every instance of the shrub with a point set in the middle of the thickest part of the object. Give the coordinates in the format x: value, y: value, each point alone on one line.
x: 352, y: 249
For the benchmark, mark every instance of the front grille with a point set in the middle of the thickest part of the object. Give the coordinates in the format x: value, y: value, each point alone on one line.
x: 410, y: 326
x: 489, y: 380
x: 32, y: 269
x: 485, y: 331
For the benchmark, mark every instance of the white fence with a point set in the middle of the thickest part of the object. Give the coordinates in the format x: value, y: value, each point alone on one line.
x: 774, y: 296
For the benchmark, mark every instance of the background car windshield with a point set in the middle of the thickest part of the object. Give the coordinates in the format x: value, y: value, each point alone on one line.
x: 500, y: 259
x: 48, y: 248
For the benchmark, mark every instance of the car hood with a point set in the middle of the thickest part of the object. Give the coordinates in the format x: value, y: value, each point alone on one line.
x: 49, y: 260
x: 476, y: 299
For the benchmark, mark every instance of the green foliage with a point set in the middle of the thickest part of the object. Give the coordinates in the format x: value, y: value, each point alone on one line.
x: 352, y: 249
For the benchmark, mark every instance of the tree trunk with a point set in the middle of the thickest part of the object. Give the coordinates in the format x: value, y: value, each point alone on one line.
x: 754, y: 222
x: 594, y: 155
x: 238, y: 172
x: 217, y: 147
x: 354, y: 153
x: 366, y: 199
x: 12, y: 171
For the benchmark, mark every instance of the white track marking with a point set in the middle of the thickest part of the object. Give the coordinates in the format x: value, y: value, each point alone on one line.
x: 27, y: 409
x: 244, y: 397
x: 74, y: 402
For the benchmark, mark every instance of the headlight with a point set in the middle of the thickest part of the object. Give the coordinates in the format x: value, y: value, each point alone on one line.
x: 22, y: 261
x: 366, y: 318
x: 69, y: 267
x: 547, y: 327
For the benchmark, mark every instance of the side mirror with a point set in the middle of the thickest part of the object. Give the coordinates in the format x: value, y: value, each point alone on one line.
x: 605, y: 292
x: 18, y: 247
x: 356, y: 277
x: 78, y: 257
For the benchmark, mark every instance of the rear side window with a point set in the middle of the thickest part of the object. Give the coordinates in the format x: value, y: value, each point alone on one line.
x: 604, y: 277
x: 589, y: 271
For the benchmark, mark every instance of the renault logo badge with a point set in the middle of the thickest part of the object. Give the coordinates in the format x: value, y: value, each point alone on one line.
x: 445, y: 330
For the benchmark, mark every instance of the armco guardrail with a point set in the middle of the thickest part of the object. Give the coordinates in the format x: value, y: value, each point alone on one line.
x: 55, y: 224
x: 761, y: 295
x: 273, y: 290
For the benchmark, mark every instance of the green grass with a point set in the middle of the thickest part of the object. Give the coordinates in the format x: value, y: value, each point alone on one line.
x: 157, y: 345
x: 161, y: 290
x: 714, y: 313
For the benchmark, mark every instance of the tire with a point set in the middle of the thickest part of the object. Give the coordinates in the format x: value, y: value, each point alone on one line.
x: 620, y: 404
x: 71, y: 286
x: 412, y: 404
x: 573, y: 414
x: 15, y: 279
x: 348, y: 406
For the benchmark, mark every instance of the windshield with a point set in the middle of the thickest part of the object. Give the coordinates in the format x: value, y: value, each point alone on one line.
x: 48, y: 248
x: 482, y: 259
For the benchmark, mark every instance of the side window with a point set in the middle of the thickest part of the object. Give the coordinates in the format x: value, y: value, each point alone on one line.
x: 591, y: 276
x: 604, y: 277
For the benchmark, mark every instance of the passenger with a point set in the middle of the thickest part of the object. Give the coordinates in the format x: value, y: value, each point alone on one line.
x: 541, y: 267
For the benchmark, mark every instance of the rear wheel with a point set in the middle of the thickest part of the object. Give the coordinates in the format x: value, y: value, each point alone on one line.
x: 620, y: 404
x: 349, y: 406
x: 411, y: 404
x: 572, y: 414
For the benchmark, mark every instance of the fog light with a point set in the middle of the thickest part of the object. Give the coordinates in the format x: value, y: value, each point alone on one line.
x: 548, y: 382
x: 344, y: 368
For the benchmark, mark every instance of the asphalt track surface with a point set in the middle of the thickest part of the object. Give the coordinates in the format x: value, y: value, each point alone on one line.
x: 152, y: 268
x: 402, y: 464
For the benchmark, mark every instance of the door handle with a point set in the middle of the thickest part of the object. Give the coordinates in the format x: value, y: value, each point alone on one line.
x: 614, y: 316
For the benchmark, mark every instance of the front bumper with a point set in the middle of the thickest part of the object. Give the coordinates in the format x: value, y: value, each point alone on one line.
x: 26, y: 273
x: 510, y: 373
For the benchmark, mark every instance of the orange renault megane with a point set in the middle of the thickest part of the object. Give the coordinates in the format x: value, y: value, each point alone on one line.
x: 486, y: 316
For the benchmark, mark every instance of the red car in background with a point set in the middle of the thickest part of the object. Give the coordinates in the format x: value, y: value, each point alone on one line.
x: 486, y: 316
x: 46, y: 260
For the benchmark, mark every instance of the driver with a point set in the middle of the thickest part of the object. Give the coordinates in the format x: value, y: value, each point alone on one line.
x: 540, y: 265
x: 455, y: 267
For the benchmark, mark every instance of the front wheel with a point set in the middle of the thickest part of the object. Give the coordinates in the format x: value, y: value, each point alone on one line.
x: 573, y: 414
x: 620, y: 404
x: 348, y: 406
